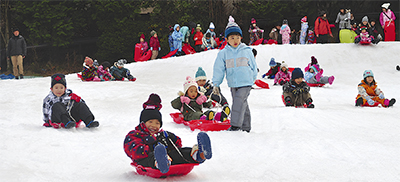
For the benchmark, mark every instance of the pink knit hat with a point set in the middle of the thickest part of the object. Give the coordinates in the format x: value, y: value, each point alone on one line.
x: 304, y: 19
x: 88, y: 60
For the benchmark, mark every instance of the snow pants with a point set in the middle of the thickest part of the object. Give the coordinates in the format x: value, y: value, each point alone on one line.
x: 18, y: 67
x: 125, y: 73
x: 79, y: 111
x: 374, y: 98
x: 154, y: 54
x: 324, y: 80
x: 297, y: 100
x: 240, y: 115
x: 175, y: 156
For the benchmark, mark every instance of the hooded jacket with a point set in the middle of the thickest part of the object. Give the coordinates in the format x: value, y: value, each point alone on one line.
x: 238, y: 64
x: 177, y: 38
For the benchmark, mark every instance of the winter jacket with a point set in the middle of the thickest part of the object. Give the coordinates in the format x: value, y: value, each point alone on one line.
x: 274, y: 34
x: 185, y: 34
x: 384, y: 17
x: 88, y: 73
x: 238, y: 64
x: 119, y: 73
x: 211, y: 44
x: 303, y: 34
x: 254, y: 36
x: 154, y: 43
x: 213, y: 34
x: 16, y: 46
x: 177, y: 38
x: 292, y: 85
x: 282, y: 75
x: 171, y: 42
x: 145, y: 47
x: 322, y: 27
x: 273, y: 71
x: 365, y: 37
x: 139, y: 143
x: 343, y: 20
x: 103, y: 72
x: 311, y: 38
x: 365, y: 89
x: 187, y: 111
x: 285, y: 32
x: 51, y: 99
x: 198, y: 38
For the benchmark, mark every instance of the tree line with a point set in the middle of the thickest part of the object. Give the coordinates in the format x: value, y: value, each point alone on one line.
x: 60, y: 34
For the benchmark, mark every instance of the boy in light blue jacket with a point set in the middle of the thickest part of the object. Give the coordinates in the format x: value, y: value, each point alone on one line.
x: 237, y: 62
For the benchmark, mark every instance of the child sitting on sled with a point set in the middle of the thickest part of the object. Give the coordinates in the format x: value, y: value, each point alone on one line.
x: 89, y: 72
x: 364, y: 37
x: 283, y: 75
x: 313, y: 62
x: 313, y: 75
x: 150, y: 146
x: 274, y: 67
x: 370, y: 94
x: 64, y: 109
x: 206, y: 88
x: 296, y: 92
x: 119, y: 72
x: 191, y: 102
x: 103, y: 71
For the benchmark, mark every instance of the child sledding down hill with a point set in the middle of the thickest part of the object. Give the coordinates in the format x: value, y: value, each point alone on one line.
x: 296, y: 92
x: 283, y: 75
x: 150, y: 146
x: 103, y: 71
x: 369, y: 93
x: 89, y: 72
x: 314, y: 73
x: 274, y: 67
x: 119, y: 72
x: 191, y: 102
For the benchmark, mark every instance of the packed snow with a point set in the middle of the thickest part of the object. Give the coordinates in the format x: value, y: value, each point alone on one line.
x: 335, y: 141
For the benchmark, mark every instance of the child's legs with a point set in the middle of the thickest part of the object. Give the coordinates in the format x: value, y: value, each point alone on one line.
x: 117, y: 75
x: 288, y: 94
x: 193, y: 116
x: 377, y: 99
x: 178, y: 159
x: 80, y: 111
x: 149, y: 161
x: 154, y: 54
x: 312, y: 80
x: 239, y: 105
x: 324, y: 80
x: 219, y: 98
x: 247, y: 119
x: 59, y: 113
x: 302, y: 98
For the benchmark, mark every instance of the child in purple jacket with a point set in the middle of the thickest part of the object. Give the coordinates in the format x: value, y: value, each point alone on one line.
x: 283, y: 75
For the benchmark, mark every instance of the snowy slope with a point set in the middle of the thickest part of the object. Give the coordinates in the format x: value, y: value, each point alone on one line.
x: 336, y: 141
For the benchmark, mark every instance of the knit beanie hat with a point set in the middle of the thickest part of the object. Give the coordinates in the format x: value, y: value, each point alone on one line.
x: 285, y: 21
x: 200, y: 74
x: 313, y: 60
x: 368, y: 73
x: 284, y: 65
x: 96, y: 63
x: 363, y: 28
x: 386, y: 5
x: 88, y: 60
x: 142, y: 36
x: 106, y: 64
x: 314, y: 68
x: 188, y: 83
x: 148, y: 114
x: 58, y: 78
x: 211, y: 26
x: 154, y: 102
x: 253, y: 21
x: 304, y: 19
x: 153, y: 32
x: 272, y: 62
x: 365, y: 18
x: 198, y: 27
x: 297, y: 73
x: 232, y: 27
x: 121, y: 62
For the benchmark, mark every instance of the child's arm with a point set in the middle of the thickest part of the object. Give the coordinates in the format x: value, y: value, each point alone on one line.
x: 219, y: 70
x: 47, y: 104
x: 176, y: 103
x: 362, y: 91
x: 136, y: 147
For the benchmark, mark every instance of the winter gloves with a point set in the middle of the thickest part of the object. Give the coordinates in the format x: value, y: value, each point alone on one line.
x: 381, y: 96
x: 216, y: 91
x: 370, y: 101
x: 75, y: 97
x: 185, y: 100
x: 201, y: 99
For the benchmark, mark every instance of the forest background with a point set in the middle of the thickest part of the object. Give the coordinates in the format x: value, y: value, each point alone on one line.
x: 60, y: 33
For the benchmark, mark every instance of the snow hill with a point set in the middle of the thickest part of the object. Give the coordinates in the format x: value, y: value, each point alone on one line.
x: 335, y: 141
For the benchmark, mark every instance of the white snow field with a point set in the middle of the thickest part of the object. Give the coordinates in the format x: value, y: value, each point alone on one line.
x: 335, y: 141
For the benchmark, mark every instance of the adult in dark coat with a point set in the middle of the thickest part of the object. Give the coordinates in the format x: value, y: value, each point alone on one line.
x: 17, y: 51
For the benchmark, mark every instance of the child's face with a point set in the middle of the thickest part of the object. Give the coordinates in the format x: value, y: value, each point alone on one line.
x: 212, y: 30
x: 254, y: 24
x: 90, y: 64
x: 120, y: 67
x: 363, y: 30
x: 234, y: 40
x: 141, y: 40
x: 177, y: 28
x: 58, y: 89
x: 198, y: 30
x: 372, y: 23
x: 298, y: 80
x: 283, y: 68
x: 155, y: 35
x: 192, y: 92
x: 369, y: 79
x: 311, y: 70
x: 201, y: 83
x: 153, y: 125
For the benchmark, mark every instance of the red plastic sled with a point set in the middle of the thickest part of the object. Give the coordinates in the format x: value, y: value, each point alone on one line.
x: 390, y: 34
x: 258, y: 42
x: 203, y: 125
x: 188, y: 49
x: 365, y: 42
x: 272, y: 41
x: 315, y: 84
x: 170, y: 54
x: 283, y: 100
x: 80, y: 77
x: 367, y: 105
x: 261, y: 84
x: 223, y: 44
x: 140, y: 58
x: 174, y: 170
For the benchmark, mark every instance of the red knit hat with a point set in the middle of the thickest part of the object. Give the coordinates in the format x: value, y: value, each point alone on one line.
x: 304, y: 19
x: 142, y: 36
x: 88, y: 60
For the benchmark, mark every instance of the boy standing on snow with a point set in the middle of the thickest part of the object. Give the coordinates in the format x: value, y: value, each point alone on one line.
x: 237, y: 62
x: 64, y: 109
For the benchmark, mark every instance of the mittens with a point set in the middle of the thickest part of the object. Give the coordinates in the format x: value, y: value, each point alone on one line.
x: 75, y: 97
x: 201, y: 99
x: 216, y: 91
x: 381, y: 96
x: 185, y: 100
x: 149, y: 140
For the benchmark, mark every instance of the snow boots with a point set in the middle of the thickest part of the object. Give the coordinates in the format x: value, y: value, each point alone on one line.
x: 202, y: 150
x: 359, y: 102
x: 398, y: 68
x: 93, y: 124
x: 162, y: 162
x: 288, y: 102
x: 309, y: 103
x: 390, y: 102
x: 208, y: 115
x: 225, y: 113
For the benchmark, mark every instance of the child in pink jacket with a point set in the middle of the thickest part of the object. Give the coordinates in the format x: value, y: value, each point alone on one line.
x: 283, y: 75
x: 285, y: 31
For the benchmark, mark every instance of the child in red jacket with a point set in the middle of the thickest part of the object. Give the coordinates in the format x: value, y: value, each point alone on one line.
x: 150, y: 146
x: 198, y: 37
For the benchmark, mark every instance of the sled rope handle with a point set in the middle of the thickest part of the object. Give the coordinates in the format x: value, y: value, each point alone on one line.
x: 176, y: 148
x: 69, y: 110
